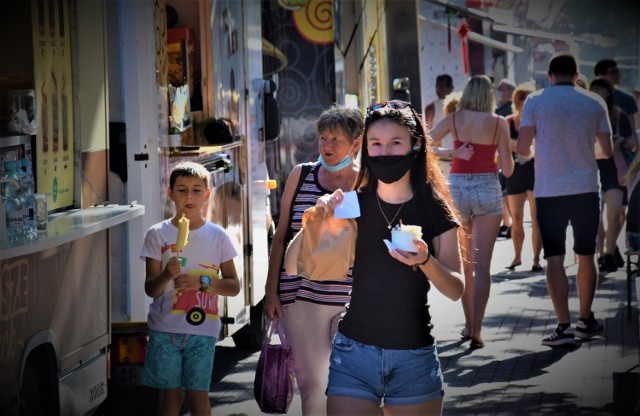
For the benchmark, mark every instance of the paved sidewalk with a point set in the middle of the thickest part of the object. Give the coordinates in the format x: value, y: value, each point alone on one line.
x: 514, y: 373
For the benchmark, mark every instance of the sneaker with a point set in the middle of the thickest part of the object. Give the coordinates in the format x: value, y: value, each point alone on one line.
x: 560, y: 336
x: 585, y: 331
x: 608, y: 264
x: 618, y: 257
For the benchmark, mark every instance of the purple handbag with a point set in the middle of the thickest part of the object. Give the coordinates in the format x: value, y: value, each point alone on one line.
x: 273, y: 384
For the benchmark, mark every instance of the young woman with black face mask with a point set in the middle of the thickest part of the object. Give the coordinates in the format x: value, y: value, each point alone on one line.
x: 387, y: 327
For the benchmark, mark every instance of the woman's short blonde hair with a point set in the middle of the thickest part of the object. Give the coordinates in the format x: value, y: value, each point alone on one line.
x: 478, y: 95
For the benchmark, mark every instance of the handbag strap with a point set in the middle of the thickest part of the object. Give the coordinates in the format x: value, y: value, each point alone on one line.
x: 275, y: 325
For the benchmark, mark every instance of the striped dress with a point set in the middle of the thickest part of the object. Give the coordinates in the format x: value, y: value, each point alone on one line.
x: 292, y: 288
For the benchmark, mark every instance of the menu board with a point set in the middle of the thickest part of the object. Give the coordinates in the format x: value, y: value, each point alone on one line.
x: 53, y: 85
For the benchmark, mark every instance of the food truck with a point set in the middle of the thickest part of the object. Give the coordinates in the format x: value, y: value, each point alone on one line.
x: 55, y: 282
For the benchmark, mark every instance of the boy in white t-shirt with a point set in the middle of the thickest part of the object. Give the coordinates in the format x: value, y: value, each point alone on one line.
x: 183, y: 318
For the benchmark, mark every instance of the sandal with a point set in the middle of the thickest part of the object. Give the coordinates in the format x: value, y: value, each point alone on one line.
x: 513, y: 266
x: 475, y: 344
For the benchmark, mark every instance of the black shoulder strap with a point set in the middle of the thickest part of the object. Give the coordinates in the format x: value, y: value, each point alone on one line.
x: 306, y: 168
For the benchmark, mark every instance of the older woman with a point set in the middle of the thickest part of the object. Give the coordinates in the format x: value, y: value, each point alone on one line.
x: 477, y: 133
x: 309, y: 310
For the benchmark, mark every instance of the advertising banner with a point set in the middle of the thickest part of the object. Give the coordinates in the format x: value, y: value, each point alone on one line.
x: 53, y: 85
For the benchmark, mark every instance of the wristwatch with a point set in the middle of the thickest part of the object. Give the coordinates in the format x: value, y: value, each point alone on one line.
x: 205, y: 282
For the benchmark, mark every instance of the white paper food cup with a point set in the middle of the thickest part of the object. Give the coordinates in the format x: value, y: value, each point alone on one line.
x: 404, y: 240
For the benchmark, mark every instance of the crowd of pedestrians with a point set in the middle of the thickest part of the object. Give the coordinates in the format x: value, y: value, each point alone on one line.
x: 570, y: 151
x: 498, y: 150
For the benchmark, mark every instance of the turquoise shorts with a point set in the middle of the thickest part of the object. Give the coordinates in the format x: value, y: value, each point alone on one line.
x: 179, y: 360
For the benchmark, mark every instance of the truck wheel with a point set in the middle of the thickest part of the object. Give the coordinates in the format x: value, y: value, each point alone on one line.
x: 250, y: 337
x: 30, y: 397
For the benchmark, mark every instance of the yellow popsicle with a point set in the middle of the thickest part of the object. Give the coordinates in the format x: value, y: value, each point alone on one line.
x: 183, y: 233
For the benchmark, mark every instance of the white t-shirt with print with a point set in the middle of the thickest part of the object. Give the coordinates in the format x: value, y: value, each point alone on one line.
x: 189, y: 312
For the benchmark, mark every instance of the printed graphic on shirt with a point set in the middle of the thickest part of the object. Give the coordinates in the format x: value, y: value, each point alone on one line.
x: 195, y: 305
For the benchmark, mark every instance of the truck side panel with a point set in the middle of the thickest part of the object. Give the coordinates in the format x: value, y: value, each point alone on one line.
x: 61, y: 291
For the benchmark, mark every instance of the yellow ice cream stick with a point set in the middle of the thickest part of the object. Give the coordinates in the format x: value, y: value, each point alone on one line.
x: 183, y: 234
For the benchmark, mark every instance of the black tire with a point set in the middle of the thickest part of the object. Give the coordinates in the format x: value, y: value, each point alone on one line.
x: 30, y: 395
x: 250, y: 337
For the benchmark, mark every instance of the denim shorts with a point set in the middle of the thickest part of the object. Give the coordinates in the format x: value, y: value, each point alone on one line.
x: 179, y: 360
x: 476, y: 194
x: 401, y: 377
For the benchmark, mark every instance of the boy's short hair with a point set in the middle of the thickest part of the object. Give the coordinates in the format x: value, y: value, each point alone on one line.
x: 189, y: 169
x: 563, y: 63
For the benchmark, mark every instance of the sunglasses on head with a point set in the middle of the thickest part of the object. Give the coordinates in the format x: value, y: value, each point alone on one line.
x: 395, y: 104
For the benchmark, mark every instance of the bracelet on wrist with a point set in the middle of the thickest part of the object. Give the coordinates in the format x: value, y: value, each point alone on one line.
x: 416, y: 266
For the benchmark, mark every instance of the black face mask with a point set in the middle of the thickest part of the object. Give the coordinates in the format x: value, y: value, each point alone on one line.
x: 390, y: 169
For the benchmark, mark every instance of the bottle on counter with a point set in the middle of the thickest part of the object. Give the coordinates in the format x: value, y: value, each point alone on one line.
x: 29, y: 187
x: 10, y: 182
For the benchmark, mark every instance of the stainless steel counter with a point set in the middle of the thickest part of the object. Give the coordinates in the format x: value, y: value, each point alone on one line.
x: 71, y: 225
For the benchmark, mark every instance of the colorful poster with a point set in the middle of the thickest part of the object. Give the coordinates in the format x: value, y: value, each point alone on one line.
x: 52, y: 67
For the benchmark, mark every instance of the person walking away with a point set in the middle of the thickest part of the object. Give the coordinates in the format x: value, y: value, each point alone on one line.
x: 476, y: 191
x: 566, y: 187
x: 185, y: 283
x: 309, y: 310
x: 384, y: 354
x: 435, y: 111
x: 614, y: 195
x: 504, y: 93
x: 608, y: 68
x: 504, y: 97
x: 520, y: 187
x: 630, y: 176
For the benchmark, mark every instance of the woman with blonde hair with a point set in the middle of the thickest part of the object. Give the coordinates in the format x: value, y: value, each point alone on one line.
x: 520, y: 187
x: 478, y: 134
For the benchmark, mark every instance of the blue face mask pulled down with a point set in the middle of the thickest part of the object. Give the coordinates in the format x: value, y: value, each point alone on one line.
x: 345, y: 162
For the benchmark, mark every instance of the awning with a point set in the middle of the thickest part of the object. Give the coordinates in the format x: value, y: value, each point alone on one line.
x: 595, y: 39
x: 462, y: 10
x: 476, y: 37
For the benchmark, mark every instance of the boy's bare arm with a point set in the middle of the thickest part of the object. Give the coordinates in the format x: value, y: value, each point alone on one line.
x: 229, y: 285
x: 157, y: 278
